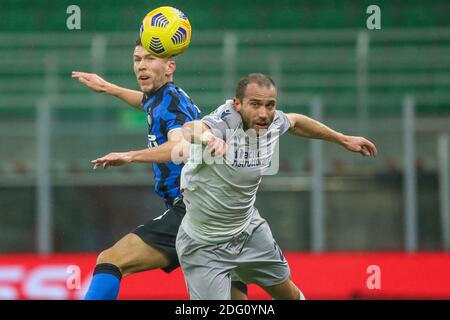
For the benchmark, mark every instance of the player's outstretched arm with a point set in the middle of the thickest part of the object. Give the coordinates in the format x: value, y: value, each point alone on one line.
x: 98, y: 84
x: 175, y: 150
x: 304, y: 126
x: 199, y: 133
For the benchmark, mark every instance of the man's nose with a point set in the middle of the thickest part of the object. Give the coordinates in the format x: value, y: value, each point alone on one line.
x: 262, y: 114
x: 142, y: 65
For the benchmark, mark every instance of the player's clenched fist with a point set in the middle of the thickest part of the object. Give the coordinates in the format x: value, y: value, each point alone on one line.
x: 214, y: 145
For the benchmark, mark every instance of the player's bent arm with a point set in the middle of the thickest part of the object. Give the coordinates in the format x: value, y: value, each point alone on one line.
x: 304, y: 126
x: 98, y: 84
x: 159, y: 154
x: 176, y: 149
x: 198, y: 132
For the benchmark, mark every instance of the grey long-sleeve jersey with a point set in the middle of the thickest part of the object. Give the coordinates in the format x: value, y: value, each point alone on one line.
x: 220, y: 197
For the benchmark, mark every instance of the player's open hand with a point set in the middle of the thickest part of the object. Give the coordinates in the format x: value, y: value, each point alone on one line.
x: 360, y: 145
x: 92, y: 81
x: 114, y: 159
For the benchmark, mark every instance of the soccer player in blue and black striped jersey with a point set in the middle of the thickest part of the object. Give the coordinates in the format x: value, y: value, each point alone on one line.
x: 152, y: 245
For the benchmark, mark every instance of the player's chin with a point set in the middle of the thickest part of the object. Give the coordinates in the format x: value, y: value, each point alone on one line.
x: 145, y: 87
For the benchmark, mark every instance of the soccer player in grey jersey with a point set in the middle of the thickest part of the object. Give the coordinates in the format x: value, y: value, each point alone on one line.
x: 222, y: 234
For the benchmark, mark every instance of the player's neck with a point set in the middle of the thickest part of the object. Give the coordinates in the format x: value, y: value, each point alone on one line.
x: 154, y: 92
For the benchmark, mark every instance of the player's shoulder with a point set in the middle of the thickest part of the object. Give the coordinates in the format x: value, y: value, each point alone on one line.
x: 174, y: 103
x: 172, y: 90
x: 280, y: 116
x: 224, y: 111
x: 227, y: 114
x: 280, y: 121
x: 179, y: 97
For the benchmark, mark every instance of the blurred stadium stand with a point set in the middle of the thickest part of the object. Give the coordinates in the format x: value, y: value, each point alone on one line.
x: 116, y: 15
x: 314, y: 50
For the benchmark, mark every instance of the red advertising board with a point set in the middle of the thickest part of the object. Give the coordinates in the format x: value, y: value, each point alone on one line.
x: 320, y: 276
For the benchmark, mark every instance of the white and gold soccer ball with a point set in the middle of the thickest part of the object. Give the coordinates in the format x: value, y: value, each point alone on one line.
x: 165, y: 32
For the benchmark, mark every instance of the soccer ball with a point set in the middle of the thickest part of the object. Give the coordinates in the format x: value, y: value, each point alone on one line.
x: 165, y: 32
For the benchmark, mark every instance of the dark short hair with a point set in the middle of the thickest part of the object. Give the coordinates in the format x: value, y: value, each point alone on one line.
x: 260, y: 79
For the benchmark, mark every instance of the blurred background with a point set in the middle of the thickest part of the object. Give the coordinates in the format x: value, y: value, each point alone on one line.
x: 390, y: 85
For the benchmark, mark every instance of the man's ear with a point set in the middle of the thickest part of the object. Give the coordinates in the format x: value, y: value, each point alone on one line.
x: 236, y: 104
x: 171, y: 67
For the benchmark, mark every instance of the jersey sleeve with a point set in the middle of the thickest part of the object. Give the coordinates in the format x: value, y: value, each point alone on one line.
x: 283, y: 122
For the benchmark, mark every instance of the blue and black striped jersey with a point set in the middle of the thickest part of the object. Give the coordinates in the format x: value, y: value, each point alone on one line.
x: 167, y: 109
